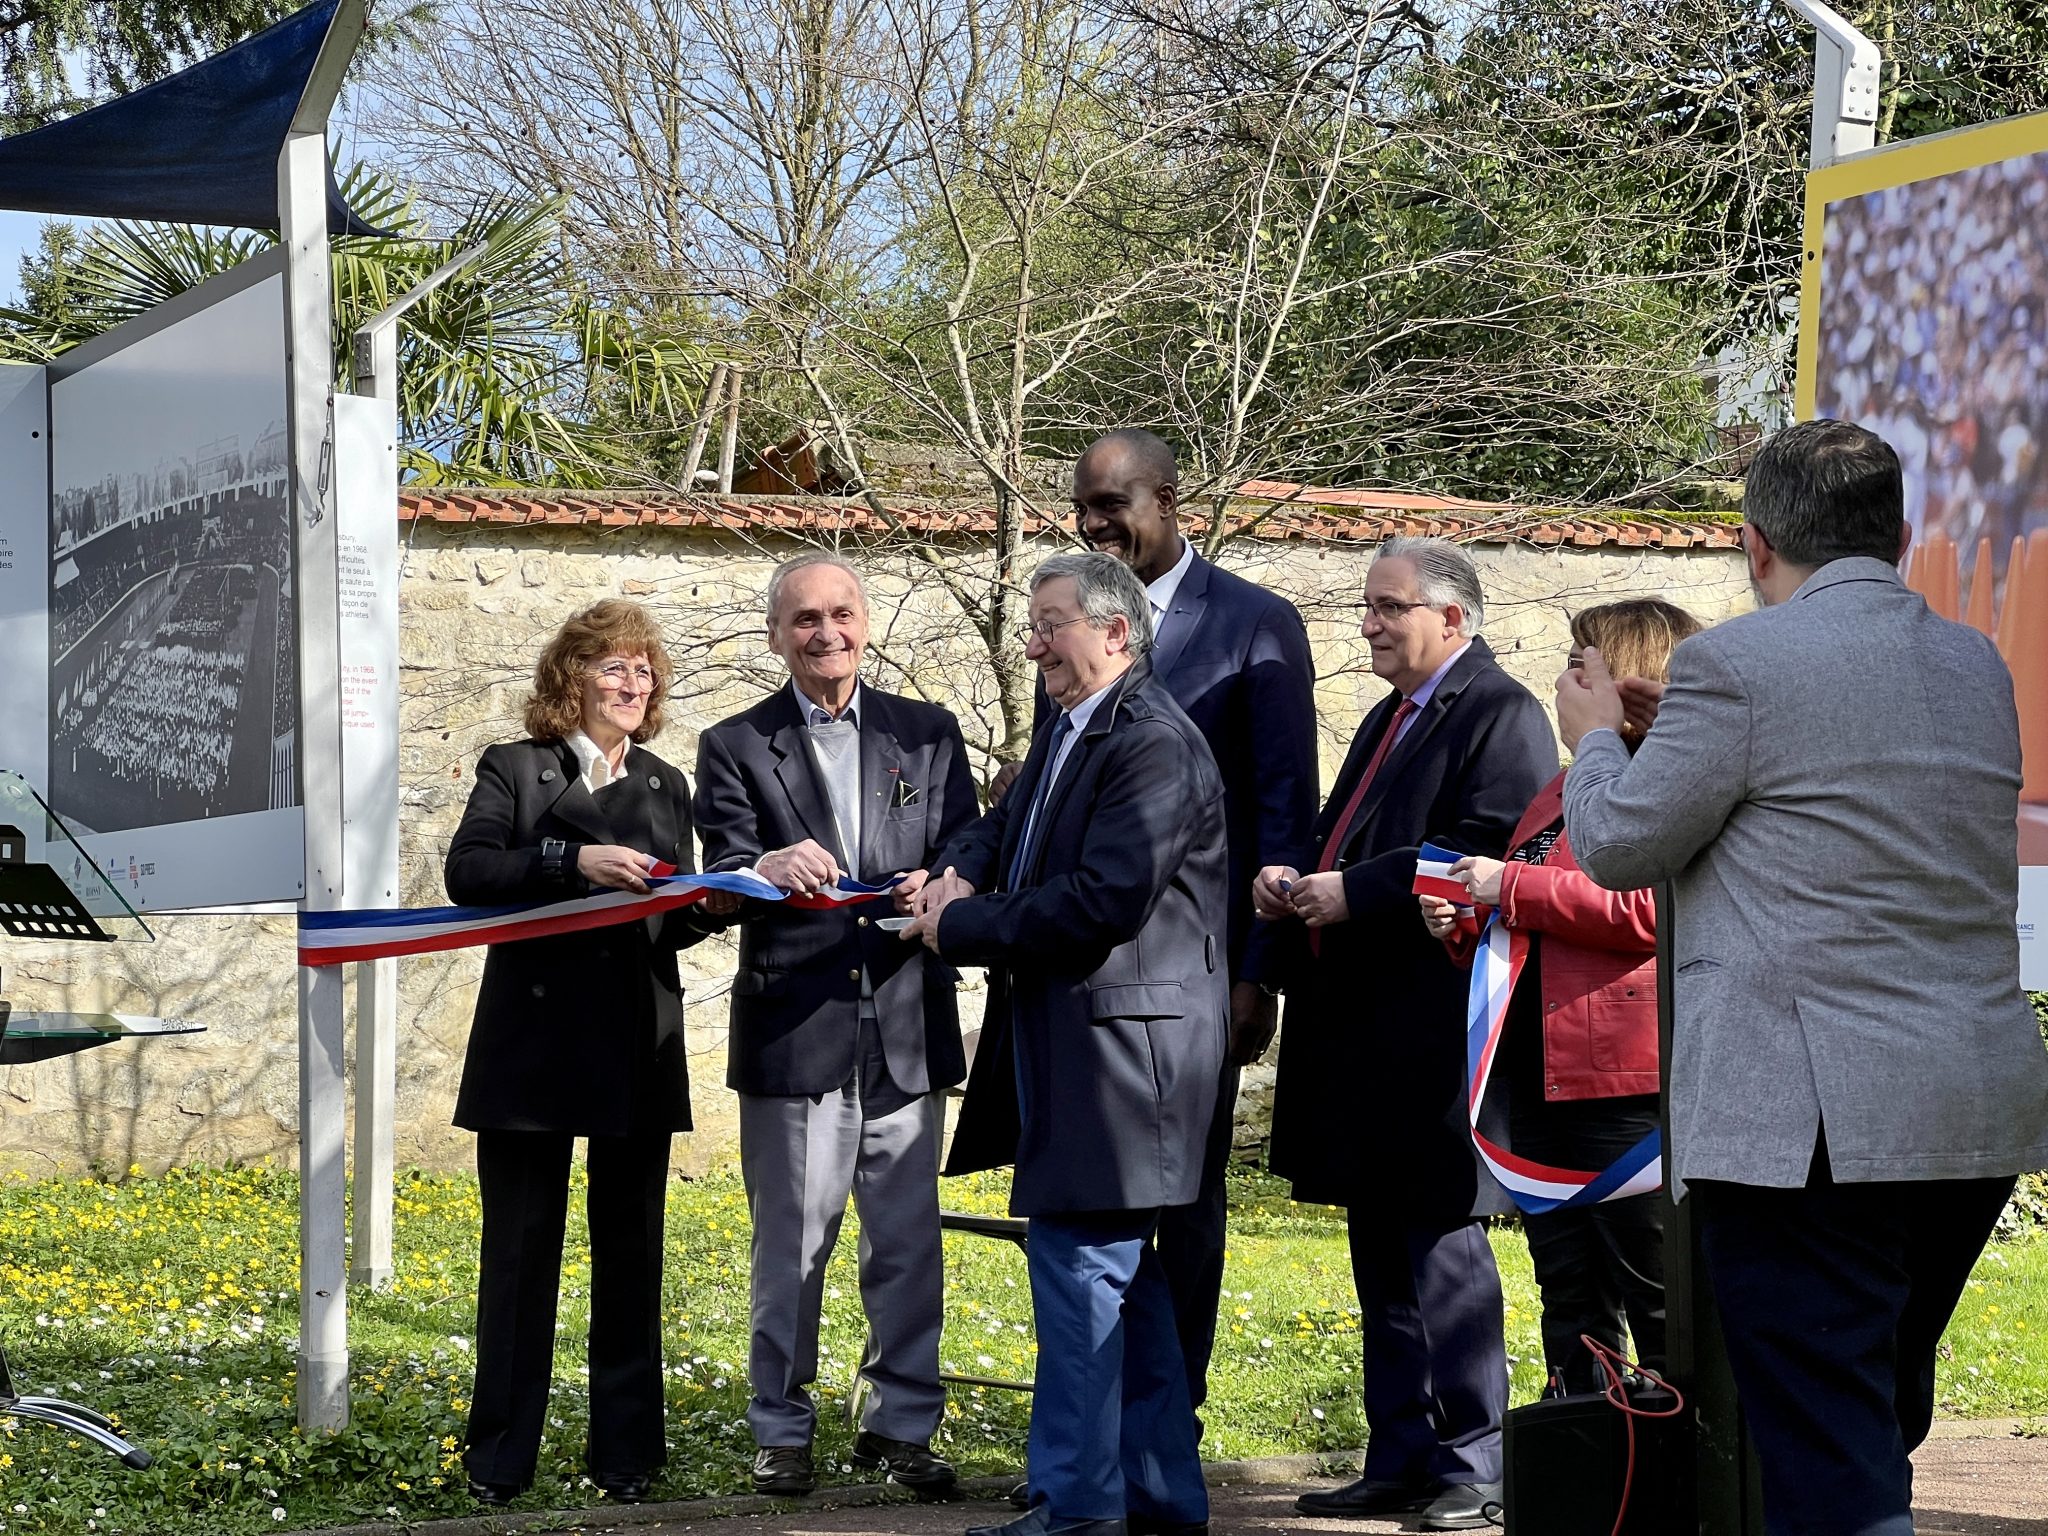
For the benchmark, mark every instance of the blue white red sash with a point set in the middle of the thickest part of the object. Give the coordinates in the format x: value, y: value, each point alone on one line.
x: 330, y: 938
x: 1535, y: 1187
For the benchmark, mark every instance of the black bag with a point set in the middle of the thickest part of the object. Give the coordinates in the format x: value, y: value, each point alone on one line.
x: 1567, y: 1461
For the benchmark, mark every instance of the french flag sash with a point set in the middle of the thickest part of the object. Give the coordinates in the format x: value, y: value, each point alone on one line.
x: 1535, y: 1187
x: 332, y: 938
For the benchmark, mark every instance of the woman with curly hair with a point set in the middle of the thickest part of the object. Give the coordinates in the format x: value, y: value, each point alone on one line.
x: 577, y: 1034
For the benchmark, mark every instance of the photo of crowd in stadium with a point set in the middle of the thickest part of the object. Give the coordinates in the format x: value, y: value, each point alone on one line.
x: 1934, y: 334
x: 173, y: 686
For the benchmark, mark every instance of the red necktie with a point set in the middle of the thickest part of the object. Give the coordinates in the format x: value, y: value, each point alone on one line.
x: 1342, y: 829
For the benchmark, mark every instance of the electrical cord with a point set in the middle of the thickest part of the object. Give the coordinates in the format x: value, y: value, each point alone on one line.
x: 1616, y: 1366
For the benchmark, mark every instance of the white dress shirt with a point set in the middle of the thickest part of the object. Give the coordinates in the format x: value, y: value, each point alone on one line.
x: 1160, y: 594
x: 597, y: 769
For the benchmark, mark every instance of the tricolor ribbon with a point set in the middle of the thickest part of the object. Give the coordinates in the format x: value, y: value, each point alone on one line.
x: 1535, y: 1187
x: 331, y: 938
x: 1433, y: 875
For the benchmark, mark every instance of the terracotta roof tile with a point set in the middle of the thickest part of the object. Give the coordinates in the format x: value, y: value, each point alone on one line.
x: 1265, y: 509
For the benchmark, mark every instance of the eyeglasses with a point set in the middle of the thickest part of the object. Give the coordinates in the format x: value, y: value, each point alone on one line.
x: 1390, y: 611
x: 1042, y: 631
x: 617, y: 674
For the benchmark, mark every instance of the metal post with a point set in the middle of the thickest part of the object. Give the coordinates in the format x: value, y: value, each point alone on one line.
x: 302, y: 226
x: 1846, y: 67
x: 729, y: 443
x: 376, y: 354
x: 1718, y: 1490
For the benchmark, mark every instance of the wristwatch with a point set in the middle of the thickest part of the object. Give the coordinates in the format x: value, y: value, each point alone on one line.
x: 552, y: 851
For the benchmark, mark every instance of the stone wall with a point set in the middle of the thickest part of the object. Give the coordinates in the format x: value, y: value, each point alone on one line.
x: 477, y: 602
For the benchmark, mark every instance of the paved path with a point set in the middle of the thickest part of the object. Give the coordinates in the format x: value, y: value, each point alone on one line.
x: 1967, y: 1485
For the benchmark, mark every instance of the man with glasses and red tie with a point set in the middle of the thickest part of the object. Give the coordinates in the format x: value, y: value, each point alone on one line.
x: 1369, y: 1111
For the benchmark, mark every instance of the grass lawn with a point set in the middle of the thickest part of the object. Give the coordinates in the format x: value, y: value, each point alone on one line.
x: 171, y: 1303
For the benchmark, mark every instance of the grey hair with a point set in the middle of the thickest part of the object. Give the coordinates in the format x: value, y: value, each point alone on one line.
x: 804, y: 562
x: 1105, y: 587
x: 1444, y: 574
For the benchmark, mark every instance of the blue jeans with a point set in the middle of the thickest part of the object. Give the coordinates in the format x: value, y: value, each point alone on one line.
x: 1112, y: 1431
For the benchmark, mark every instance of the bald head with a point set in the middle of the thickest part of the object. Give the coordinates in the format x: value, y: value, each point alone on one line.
x: 1126, y: 500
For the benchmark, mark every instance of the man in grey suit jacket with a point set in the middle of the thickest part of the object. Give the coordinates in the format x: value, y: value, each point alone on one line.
x: 840, y: 1037
x: 1832, y: 784
x: 1104, y: 871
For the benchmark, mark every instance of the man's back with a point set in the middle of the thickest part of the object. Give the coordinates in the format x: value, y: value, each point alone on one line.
x: 1839, y: 776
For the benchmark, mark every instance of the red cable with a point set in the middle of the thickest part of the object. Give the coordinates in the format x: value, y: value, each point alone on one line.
x: 1614, y: 1365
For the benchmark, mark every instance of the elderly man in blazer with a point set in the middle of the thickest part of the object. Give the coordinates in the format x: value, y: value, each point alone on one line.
x: 1104, y: 871
x: 1370, y: 1108
x: 1832, y: 784
x: 840, y: 1037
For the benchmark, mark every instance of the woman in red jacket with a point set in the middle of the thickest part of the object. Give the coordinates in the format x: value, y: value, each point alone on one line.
x: 1578, y: 1057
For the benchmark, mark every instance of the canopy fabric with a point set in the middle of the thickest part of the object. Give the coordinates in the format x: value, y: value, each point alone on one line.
x: 198, y: 147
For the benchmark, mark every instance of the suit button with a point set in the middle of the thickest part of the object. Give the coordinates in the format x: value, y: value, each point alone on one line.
x: 854, y: 974
x: 1552, y: 1007
x: 539, y: 990
x: 860, y: 922
x: 1553, y: 1090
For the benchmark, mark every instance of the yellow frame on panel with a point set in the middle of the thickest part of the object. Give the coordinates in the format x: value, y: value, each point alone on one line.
x: 1895, y: 165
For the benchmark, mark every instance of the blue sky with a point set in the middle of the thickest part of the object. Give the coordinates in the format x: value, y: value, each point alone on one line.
x: 18, y: 233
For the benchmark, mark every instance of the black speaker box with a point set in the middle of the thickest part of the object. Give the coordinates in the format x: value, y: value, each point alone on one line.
x: 1567, y: 1460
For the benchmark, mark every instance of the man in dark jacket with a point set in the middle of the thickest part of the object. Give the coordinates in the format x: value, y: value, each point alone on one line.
x: 841, y: 1037
x: 1370, y: 1108
x: 1096, y: 1075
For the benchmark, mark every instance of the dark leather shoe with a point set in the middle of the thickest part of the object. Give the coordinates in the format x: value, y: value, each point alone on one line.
x: 1038, y: 1522
x: 784, y: 1471
x: 1464, y: 1507
x: 496, y: 1495
x: 632, y: 1488
x: 1365, y: 1497
x: 908, y: 1464
x: 1146, y: 1525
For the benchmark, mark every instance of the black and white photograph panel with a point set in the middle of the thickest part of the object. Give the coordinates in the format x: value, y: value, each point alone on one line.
x: 173, y: 687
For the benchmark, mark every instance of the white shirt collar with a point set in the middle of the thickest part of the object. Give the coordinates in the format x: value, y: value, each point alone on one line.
x: 1161, y: 593
x: 1427, y: 691
x: 596, y: 771
x: 809, y: 709
x: 1079, y: 716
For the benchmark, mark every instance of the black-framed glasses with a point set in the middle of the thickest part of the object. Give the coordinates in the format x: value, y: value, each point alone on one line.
x: 1390, y: 610
x: 1043, y: 630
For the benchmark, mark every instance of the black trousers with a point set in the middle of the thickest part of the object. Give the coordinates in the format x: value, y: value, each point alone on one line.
x: 1833, y: 1298
x: 1597, y: 1265
x: 1190, y: 1243
x: 1436, y: 1365
x: 523, y: 1177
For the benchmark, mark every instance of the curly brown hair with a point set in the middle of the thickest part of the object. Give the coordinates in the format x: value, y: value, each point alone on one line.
x: 1636, y: 638
x: 613, y: 626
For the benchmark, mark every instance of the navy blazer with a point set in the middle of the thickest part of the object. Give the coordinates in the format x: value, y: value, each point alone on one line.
x: 1108, y: 983
x: 580, y: 1033
x: 1369, y: 1109
x: 1236, y: 659
x: 796, y: 998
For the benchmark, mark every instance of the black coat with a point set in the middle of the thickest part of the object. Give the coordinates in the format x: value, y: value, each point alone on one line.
x: 1107, y: 967
x: 1236, y: 658
x: 1370, y: 1106
x: 796, y: 998
x: 581, y: 1033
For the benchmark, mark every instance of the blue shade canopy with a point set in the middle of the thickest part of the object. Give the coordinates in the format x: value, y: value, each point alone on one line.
x: 198, y: 147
